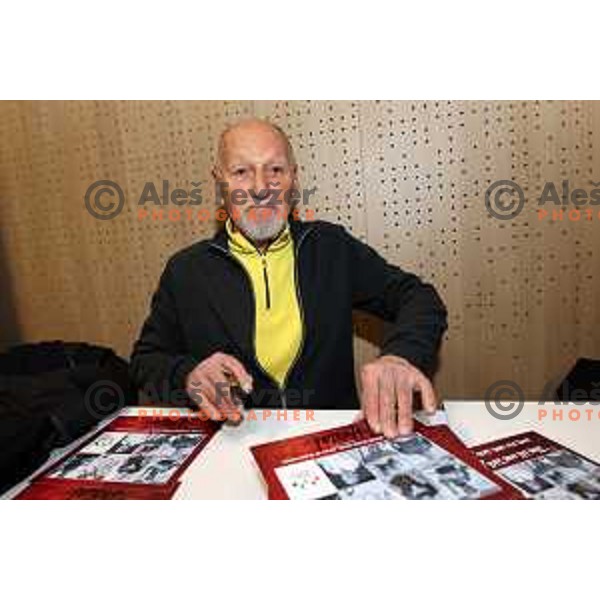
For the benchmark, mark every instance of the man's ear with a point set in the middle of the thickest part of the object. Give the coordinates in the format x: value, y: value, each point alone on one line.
x: 217, y: 174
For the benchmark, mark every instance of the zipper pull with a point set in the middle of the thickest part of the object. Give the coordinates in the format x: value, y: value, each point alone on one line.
x: 266, y: 278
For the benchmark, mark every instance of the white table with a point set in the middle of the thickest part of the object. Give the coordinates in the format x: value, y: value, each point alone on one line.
x: 225, y: 468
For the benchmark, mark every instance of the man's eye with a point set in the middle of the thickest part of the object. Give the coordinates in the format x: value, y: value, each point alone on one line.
x: 239, y: 172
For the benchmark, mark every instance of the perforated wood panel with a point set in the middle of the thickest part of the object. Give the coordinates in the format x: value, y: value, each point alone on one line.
x: 407, y: 177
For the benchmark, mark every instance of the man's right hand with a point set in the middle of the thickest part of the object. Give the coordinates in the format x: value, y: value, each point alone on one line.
x: 209, y: 386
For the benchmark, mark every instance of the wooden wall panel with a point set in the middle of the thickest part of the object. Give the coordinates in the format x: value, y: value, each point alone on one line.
x: 407, y: 177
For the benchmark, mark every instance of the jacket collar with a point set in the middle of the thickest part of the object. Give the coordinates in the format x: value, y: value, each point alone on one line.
x: 297, y: 230
x: 240, y: 244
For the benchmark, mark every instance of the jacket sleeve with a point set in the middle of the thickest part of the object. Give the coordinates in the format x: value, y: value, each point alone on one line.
x: 159, y: 359
x: 415, y: 313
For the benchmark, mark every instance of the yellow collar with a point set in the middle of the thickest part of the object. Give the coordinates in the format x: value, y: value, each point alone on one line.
x: 240, y: 243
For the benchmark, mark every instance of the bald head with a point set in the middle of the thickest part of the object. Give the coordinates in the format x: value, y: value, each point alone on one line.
x: 252, y: 133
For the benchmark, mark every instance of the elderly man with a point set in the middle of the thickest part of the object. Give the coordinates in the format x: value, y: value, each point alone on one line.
x: 266, y: 305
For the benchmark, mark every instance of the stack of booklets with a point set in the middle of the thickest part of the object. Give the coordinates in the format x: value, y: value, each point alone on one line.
x: 353, y: 463
x: 131, y: 458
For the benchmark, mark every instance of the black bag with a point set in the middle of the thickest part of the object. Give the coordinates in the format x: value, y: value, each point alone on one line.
x: 582, y: 382
x: 50, y: 394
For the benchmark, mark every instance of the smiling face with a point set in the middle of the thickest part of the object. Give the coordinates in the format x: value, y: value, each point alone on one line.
x: 256, y: 165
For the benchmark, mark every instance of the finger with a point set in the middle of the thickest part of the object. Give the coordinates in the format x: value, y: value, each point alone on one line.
x: 387, y: 403
x: 370, y: 400
x: 428, y: 396
x: 194, y: 391
x: 224, y: 401
x: 404, y: 394
x: 219, y: 394
x: 236, y: 368
x: 198, y: 392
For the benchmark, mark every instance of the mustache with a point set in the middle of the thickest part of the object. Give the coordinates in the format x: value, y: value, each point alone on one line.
x: 260, y: 195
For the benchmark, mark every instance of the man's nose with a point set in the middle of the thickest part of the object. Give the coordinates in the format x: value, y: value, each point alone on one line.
x: 260, y: 185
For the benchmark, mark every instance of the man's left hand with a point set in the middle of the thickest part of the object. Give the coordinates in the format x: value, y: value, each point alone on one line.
x: 388, y: 384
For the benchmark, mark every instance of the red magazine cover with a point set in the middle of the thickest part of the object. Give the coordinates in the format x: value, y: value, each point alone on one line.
x: 354, y: 463
x: 131, y: 458
x: 542, y: 468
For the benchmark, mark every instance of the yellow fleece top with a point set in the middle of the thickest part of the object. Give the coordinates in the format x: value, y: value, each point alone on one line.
x: 278, y: 327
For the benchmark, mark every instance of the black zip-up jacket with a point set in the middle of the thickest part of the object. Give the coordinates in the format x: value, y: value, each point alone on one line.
x: 205, y: 304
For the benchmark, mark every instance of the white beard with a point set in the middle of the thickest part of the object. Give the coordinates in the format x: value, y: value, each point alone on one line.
x: 260, y: 229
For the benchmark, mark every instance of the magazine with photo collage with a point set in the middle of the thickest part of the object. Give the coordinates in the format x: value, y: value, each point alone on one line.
x: 132, y: 457
x: 542, y: 468
x: 354, y: 463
